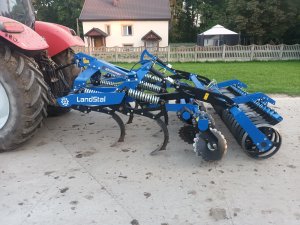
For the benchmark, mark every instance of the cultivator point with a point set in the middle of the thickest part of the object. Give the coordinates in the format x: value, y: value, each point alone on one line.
x: 154, y: 88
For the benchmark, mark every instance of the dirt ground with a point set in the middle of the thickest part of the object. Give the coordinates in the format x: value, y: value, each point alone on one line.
x: 72, y: 173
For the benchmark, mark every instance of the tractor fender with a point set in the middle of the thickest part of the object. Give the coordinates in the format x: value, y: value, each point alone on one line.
x: 27, y: 40
x: 58, y: 37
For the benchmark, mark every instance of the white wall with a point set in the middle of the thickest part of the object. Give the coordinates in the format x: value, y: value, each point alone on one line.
x: 139, y: 29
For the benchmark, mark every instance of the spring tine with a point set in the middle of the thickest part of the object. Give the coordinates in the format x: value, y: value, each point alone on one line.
x: 165, y: 131
x: 108, y: 83
x: 139, y: 95
x: 120, y: 122
x: 152, y: 78
x: 150, y: 87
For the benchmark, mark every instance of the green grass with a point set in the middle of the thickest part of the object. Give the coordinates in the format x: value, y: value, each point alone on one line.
x: 280, y: 77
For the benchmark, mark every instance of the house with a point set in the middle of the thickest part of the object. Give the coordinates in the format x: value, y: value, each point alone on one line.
x: 126, y: 23
x: 216, y: 36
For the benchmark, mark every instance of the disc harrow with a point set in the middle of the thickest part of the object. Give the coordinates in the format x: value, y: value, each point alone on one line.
x: 153, y: 89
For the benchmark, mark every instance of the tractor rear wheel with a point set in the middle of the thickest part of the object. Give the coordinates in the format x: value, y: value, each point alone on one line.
x: 23, y: 98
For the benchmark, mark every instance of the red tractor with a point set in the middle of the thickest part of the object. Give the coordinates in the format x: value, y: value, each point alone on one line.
x: 35, y: 68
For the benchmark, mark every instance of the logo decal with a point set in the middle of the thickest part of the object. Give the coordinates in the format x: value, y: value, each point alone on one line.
x: 64, y: 101
x: 93, y: 99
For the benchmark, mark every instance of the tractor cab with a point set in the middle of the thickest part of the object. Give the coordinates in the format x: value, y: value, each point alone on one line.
x: 19, y: 10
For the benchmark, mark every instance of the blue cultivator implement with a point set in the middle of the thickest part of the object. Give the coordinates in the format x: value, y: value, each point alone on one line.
x: 152, y: 89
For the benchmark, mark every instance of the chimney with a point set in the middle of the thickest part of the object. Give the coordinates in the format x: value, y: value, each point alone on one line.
x: 115, y: 3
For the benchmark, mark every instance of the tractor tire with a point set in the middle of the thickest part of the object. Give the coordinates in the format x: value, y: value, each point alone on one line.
x: 70, y: 73
x: 23, y: 98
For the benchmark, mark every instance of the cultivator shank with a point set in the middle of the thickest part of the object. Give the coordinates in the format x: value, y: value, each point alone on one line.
x: 154, y: 89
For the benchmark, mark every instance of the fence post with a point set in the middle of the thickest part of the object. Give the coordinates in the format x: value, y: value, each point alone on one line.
x: 116, y: 54
x: 281, y: 51
x: 223, y: 53
x: 195, y: 53
x: 168, y: 53
x: 89, y: 50
x: 252, y: 52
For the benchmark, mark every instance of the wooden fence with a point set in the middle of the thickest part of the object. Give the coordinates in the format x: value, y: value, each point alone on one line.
x: 199, y: 53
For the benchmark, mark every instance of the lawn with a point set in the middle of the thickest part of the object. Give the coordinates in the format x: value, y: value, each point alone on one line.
x: 280, y: 77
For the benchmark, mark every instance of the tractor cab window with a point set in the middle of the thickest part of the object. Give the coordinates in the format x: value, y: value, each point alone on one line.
x: 20, y: 10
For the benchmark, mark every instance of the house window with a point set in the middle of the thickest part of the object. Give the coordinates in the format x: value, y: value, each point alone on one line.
x: 127, y: 30
x: 108, y: 29
x: 128, y: 47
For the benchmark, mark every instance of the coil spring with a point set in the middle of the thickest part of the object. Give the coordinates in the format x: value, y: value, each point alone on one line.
x: 139, y: 95
x: 149, y: 87
x: 152, y: 78
x: 108, y: 83
x: 89, y: 91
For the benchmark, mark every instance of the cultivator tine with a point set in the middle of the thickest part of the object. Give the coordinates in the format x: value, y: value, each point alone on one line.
x: 165, y: 131
x: 130, y: 119
x: 108, y: 111
x: 121, y: 125
x: 116, y: 117
x: 131, y: 115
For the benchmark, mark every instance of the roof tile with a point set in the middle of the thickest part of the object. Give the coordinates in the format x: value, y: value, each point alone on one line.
x: 125, y: 10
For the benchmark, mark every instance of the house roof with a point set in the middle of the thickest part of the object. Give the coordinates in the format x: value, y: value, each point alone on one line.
x: 105, y: 10
x: 151, y: 35
x: 96, y: 32
x: 218, y: 30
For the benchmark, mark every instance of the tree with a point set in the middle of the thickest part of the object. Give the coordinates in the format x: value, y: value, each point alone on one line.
x: 190, y: 17
x: 259, y: 21
x: 212, y: 12
x: 185, y: 20
x: 63, y: 12
x: 292, y: 35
